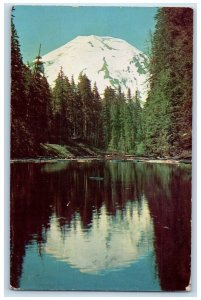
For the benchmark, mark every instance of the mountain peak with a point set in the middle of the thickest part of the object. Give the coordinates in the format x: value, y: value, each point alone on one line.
x: 106, y: 60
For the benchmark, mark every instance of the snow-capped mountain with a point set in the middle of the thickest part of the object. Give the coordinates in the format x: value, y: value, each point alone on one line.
x: 107, y: 61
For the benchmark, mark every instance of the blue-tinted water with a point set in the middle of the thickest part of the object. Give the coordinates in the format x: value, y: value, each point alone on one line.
x: 115, y: 226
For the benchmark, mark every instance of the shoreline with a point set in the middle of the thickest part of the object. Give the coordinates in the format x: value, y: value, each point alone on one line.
x: 114, y: 158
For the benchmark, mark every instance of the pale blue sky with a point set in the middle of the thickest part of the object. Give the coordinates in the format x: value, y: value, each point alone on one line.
x: 54, y: 26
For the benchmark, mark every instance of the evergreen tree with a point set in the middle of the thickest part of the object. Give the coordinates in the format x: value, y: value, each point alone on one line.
x: 121, y: 104
x: 109, y: 98
x: 18, y: 93
x: 60, y: 109
x: 179, y: 22
x: 129, y: 124
x: 21, y: 140
x: 115, y: 124
x: 97, y: 122
x: 39, y: 99
x: 30, y: 104
x: 75, y: 110
x: 138, y: 126
x: 168, y: 112
x: 85, y: 92
x: 117, y: 141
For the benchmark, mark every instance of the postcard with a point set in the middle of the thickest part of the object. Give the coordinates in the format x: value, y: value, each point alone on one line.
x: 101, y: 148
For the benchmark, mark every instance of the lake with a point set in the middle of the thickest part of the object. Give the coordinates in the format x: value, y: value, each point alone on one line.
x: 100, y: 225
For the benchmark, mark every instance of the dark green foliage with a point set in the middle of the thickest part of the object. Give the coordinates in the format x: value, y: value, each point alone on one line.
x: 77, y: 111
x: 168, y: 111
x: 180, y: 24
x: 156, y: 119
x: 85, y: 92
x: 122, y: 122
x: 39, y: 98
x: 117, y: 128
x: 60, y: 108
x: 21, y: 140
x: 97, y: 119
x: 18, y: 92
x: 109, y: 96
x: 129, y: 124
x: 30, y: 105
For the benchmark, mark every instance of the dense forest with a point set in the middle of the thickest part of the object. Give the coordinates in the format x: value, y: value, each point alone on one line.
x: 115, y: 122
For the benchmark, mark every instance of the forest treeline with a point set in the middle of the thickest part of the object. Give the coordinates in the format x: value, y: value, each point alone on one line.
x: 114, y: 122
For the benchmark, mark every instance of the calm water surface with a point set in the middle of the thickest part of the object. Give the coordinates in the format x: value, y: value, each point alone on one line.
x: 128, y: 231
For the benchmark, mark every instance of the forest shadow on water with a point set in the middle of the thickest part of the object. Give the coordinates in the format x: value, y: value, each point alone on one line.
x: 120, y: 226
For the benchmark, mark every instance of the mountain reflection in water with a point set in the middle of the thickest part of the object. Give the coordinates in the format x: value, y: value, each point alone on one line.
x: 110, y: 242
x: 135, y: 223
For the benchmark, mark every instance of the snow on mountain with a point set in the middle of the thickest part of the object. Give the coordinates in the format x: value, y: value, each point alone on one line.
x: 107, y: 61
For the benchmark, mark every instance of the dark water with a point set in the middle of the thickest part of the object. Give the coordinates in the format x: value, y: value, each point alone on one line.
x: 130, y: 231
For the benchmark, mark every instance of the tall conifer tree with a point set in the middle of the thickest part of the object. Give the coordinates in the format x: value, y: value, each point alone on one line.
x: 21, y: 140
x: 168, y: 110
x: 84, y: 87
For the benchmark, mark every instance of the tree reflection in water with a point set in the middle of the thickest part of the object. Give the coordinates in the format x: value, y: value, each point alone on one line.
x: 97, y: 226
